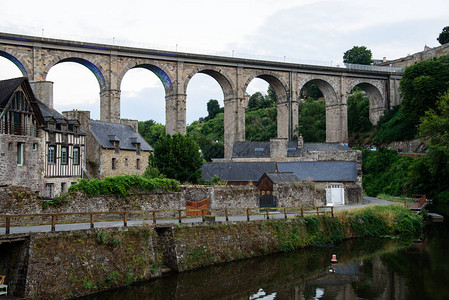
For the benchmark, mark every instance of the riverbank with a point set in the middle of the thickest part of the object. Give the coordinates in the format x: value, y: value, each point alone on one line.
x: 70, y: 264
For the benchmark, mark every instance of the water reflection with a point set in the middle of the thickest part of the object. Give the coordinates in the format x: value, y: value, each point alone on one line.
x: 366, y: 269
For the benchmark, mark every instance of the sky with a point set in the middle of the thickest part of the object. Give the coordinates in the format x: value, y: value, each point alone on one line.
x: 308, y: 31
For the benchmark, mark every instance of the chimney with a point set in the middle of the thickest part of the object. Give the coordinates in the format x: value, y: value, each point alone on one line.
x: 82, y: 116
x: 300, y: 142
x: 43, y: 90
x: 133, y: 123
x: 278, y: 149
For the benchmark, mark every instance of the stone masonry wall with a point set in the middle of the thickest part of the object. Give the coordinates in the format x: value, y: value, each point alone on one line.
x: 126, y: 162
x: 306, y: 195
x: 29, y: 174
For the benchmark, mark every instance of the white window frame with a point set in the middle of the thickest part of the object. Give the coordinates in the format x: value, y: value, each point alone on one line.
x: 20, y: 149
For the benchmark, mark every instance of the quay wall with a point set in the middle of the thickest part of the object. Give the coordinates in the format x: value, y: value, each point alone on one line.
x: 63, y: 265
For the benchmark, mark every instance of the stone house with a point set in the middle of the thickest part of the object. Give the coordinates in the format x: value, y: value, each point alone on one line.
x: 39, y: 148
x: 21, y: 157
x: 333, y: 167
x: 112, y: 149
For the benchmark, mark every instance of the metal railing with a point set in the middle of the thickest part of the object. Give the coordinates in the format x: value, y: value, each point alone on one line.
x: 155, y: 215
x: 18, y: 129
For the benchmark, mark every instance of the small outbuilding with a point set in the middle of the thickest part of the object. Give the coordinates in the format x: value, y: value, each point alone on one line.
x: 266, y: 183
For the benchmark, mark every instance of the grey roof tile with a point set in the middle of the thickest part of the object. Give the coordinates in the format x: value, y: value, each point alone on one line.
x: 321, y: 170
x: 236, y: 171
x: 123, y: 133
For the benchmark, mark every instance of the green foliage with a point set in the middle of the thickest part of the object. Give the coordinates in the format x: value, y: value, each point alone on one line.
x: 312, y: 120
x: 259, y: 101
x: 443, y: 38
x: 310, y: 90
x: 393, y: 126
x: 213, y: 108
x: 358, y: 55
x: 385, y: 172
x: 215, y: 181
x: 209, y: 135
x: 261, y: 125
x: 358, y: 113
x: 57, y: 201
x: 151, y: 131
x: 108, y: 237
x: 178, y: 157
x: 421, y: 85
x: 121, y: 185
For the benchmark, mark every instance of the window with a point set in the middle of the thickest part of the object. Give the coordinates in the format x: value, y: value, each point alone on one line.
x: 34, y: 146
x: 114, y: 163
x: 63, y: 185
x: 116, y: 145
x: 20, y: 154
x: 76, y: 155
x: 51, y: 159
x: 64, y: 155
x: 138, y: 164
x: 49, y: 190
x: 126, y: 161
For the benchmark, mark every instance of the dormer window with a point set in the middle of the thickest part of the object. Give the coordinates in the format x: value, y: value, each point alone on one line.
x: 116, y: 145
x: 76, y: 128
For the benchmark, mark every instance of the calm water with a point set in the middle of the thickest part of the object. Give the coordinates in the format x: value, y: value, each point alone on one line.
x: 366, y: 269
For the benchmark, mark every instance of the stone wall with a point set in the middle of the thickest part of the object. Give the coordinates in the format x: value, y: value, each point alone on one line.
x: 88, y: 261
x: 30, y: 174
x: 409, y: 60
x: 307, y: 195
x: 125, y: 162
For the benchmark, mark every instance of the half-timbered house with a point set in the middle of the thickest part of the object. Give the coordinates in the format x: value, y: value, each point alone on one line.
x: 63, y: 144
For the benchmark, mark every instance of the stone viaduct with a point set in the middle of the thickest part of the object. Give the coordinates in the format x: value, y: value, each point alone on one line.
x: 35, y: 57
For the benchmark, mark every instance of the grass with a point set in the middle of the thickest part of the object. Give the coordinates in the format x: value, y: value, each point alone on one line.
x: 398, y: 199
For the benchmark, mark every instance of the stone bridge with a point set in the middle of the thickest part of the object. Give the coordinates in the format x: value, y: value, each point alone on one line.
x: 35, y: 57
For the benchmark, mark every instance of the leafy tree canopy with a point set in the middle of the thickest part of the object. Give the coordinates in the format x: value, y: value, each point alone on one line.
x: 213, y: 108
x: 151, y: 131
x: 358, y: 55
x: 358, y: 112
x: 178, y: 157
x: 443, y: 38
x: 312, y: 120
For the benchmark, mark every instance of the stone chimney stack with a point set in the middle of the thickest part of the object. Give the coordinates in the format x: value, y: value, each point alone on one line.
x: 43, y: 90
x: 133, y: 123
x: 278, y: 149
x: 82, y: 116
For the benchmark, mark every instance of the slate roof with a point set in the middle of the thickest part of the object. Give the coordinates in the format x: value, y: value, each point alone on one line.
x: 262, y: 149
x: 49, y: 112
x: 237, y: 171
x: 103, y: 132
x: 9, y: 86
x: 337, y: 171
x: 277, y: 177
x: 321, y: 170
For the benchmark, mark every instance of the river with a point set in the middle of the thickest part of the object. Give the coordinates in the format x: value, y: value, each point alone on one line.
x: 366, y: 269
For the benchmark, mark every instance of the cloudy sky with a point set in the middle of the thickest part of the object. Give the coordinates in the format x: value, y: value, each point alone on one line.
x: 312, y: 31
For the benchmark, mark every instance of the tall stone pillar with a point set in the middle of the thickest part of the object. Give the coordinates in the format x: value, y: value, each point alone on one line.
x: 234, y: 124
x: 336, y: 123
x: 110, y: 106
x: 175, y: 114
x: 295, y: 118
x: 283, y: 118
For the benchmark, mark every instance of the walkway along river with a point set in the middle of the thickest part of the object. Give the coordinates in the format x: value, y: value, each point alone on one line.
x: 67, y: 264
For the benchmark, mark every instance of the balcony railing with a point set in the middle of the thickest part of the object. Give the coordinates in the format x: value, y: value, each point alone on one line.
x: 18, y: 129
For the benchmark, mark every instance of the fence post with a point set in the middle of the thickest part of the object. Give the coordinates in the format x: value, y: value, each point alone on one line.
x: 226, y: 214
x: 247, y: 214
x: 268, y: 216
x: 332, y: 211
x: 91, y: 221
x: 302, y: 212
x: 125, y: 219
x: 285, y: 212
x: 317, y: 211
x: 179, y: 215
x: 202, y: 215
x: 53, y: 222
x: 154, y: 217
x: 8, y: 224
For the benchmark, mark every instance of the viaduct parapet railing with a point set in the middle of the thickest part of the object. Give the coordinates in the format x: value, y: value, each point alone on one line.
x: 159, y: 216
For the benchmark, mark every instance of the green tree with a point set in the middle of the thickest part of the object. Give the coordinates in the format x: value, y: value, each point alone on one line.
x: 312, y: 120
x: 151, y: 131
x: 272, y: 94
x: 443, y: 38
x: 178, y: 157
x: 358, y: 55
x: 213, y: 108
x: 358, y: 112
x: 209, y: 136
x: 261, y: 125
x: 311, y: 90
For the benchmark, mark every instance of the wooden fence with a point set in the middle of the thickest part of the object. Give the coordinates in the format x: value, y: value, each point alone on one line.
x: 152, y: 215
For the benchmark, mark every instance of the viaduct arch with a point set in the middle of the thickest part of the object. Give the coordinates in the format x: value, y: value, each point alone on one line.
x: 35, y: 56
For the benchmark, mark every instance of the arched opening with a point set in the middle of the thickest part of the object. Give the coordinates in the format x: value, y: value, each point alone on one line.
x: 76, y: 86
x: 320, y: 114
x: 365, y: 108
x: 205, y: 112
x: 261, y: 111
x: 311, y: 114
x: 9, y: 69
